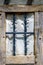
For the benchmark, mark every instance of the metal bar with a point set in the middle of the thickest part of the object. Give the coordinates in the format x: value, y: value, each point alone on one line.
x: 19, y: 33
x: 14, y: 35
x: 25, y: 31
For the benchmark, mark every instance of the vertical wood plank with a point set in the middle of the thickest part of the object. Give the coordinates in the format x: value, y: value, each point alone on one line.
x: 41, y: 36
x: 37, y: 46
x: 3, y: 45
x: 0, y: 39
x: 0, y: 48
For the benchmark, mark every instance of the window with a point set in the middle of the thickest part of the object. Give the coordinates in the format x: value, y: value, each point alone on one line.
x: 20, y: 34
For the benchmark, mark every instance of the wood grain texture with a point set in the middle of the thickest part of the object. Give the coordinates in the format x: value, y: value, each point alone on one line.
x: 20, y: 59
x: 3, y: 53
x: 0, y: 40
x: 41, y: 36
x: 21, y: 8
x: 37, y: 46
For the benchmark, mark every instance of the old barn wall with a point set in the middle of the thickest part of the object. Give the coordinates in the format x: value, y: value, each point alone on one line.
x: 38, y: 39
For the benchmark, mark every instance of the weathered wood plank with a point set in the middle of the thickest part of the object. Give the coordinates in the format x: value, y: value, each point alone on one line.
x: 21, y: 8
x: 0, y: 40
x: 41, y: 36
x: 0, y: 49
x: 38, y: 41
x: 3, y: 49
x: 37, y: 46
x: 20, y: 59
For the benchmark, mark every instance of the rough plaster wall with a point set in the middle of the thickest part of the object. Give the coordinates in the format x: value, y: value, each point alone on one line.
x: 19, y: 39
x: 30, y: 28
x: 18, y: 1
x: 19, y: 28
x: 1, y: 2
x: 37, y: 2
x: 25, y: 2
x: 22, y: 2
x: 9, y: 40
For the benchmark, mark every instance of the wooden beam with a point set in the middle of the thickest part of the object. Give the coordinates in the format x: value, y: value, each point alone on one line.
x: 39, y: 38
x: 3, y: 41
x: 20, y: 59
x: 21, y: 8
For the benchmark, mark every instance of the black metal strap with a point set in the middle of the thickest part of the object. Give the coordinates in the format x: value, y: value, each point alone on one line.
x: 25, y: 30
x: 25, y: 36
x: 19, y: 33
x: 14, y: 35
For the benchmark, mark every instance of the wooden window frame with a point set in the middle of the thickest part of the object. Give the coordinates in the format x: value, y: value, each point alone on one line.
x: 18, y: 8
